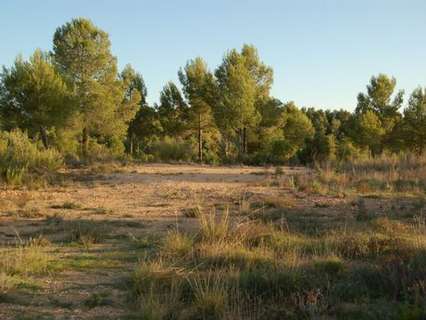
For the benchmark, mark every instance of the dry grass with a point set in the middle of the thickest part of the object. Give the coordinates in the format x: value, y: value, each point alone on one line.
x: 305, y: 273
x: 388, y: 174
x: 25, y: 260
x: 290, y: 245
x: 20, y: 264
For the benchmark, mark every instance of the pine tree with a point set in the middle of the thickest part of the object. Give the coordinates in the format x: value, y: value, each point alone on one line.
x: 172, y: 111
x: 199, y: 88
x: 35, y: 97
x: 134, y: 95
x: 379, y: 101
x: 414, y: 124
x: 236, y: 110
x: 82, y: 53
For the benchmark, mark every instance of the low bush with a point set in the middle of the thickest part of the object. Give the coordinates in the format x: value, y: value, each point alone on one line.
x: 23, y: 160
x: 171, y: 149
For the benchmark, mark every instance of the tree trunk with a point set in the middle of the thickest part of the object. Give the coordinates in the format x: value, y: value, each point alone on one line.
x: 240, y: 143
x: 131, y: 144
x: 85, y: 143
x: 244, y: 140
x: 200, y: 140
x: 43, y: 136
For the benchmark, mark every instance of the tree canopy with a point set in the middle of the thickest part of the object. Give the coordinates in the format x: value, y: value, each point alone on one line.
x: 75, y: 99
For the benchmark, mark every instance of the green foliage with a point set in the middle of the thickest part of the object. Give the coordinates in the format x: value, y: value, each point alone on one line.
x: 75, y: 100
x: 22, y: 160
x: 242, y: 82
x: 377, y: 113
x: 172, y: 149
x: 414, y: 122
x: 172, y: 110
x: 24, y: 261
x: 146, y: 128
x: 297, y: 126
x: 370, y: 131
x: 34, y: 96
x: 321, y: 145
x: 82, y: 53
x: 199, y: 88
x: 346, y: 150
x: 379, y: 99
x: 296, y: 130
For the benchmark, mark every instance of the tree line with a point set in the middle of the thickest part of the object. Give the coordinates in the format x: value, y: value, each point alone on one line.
x: 75, y: 99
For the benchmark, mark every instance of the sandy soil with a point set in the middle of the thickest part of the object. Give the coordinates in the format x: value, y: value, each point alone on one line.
x: 132, y: 203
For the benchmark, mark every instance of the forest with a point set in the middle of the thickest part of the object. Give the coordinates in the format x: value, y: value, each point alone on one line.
x: 75, y: 102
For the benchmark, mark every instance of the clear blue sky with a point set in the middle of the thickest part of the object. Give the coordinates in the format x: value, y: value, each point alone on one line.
x: 323, y: 52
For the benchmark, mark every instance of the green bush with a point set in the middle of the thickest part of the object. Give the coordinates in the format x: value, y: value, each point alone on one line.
x: 347, y: 151
x: 22, y: 160
x: 171, y: 149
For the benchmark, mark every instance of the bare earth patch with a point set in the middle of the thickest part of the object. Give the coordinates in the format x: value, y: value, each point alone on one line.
x: 96, y: 227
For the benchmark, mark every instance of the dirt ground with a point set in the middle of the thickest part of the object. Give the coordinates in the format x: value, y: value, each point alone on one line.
x: 131, y: 204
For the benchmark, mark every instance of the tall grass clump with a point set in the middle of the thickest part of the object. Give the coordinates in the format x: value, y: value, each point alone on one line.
x: 177, y: 244
x: 20, y: 264
x: 86, y: 232
x: 210, y: 294
x: 25, y: 261
x: 387, y: 173
x: 24, y: 161
x: 213, y: 228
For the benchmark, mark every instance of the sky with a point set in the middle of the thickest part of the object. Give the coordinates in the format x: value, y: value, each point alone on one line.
x: 323, y: 52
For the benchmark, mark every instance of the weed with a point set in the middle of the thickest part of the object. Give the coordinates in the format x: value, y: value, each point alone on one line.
x: 32, y: 212
x: 98, y: 299
x: 278, y: 202
x: 279, y: 171
x: 7, y: 282
x: 362, y: 211
x: 177, y: 244
x: 213, y: 229
x: 28, y: 260
x: 191, y: 212
x: 101, y: 211
x: 86, y: 232
x: 210, y: 295
x: 69, y: 205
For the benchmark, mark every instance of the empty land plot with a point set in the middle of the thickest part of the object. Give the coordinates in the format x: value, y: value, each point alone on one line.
x: 204, y: 242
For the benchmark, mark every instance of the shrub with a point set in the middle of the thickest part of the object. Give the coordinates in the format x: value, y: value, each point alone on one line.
x: 330, y: 265
x: 347, y: 151
x: 67, y: 205
x: 106, y: 149
x: 171, y: 149
x: 22, y: 160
